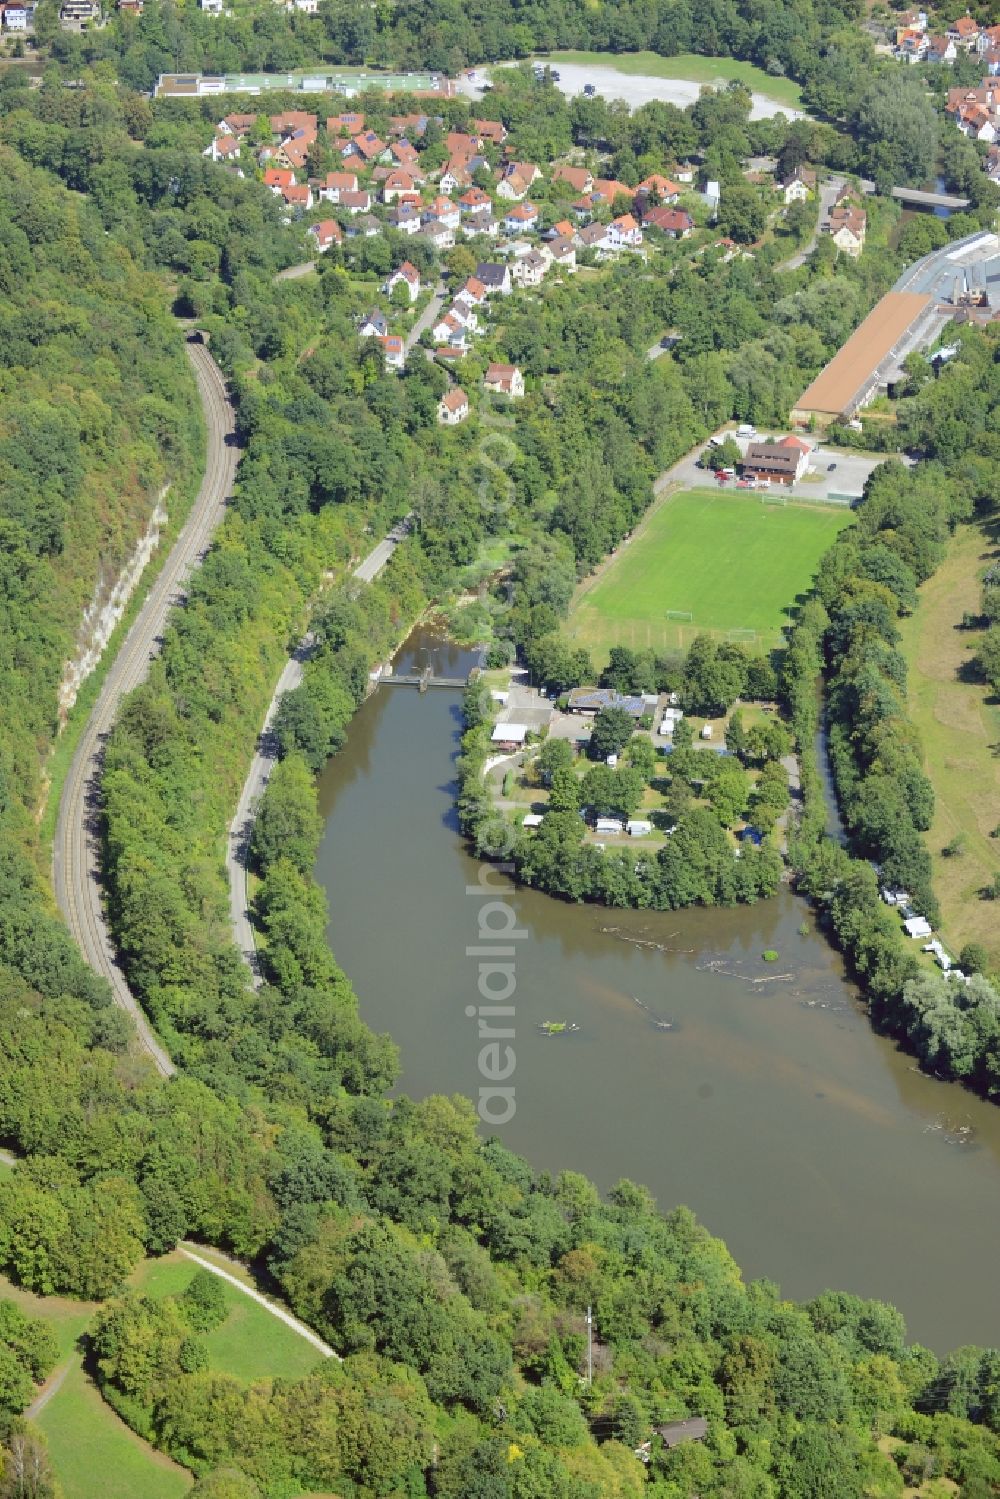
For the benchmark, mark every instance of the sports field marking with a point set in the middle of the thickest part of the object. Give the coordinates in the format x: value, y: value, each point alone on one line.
x: 709, y: 562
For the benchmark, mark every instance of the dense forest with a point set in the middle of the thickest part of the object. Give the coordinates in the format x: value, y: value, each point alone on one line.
x: 454, y: 1279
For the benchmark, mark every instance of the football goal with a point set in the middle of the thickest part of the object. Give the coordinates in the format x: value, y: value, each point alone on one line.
x: 741, y: 637
x: 773, y: 497
x: 684, y: 615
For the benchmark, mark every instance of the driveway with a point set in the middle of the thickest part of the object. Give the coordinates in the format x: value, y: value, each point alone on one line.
x: 827, y: 198
x: 846, y: 480
x: 427, y: 318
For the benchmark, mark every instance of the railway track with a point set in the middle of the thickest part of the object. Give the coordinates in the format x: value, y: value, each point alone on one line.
x: 75, y: 863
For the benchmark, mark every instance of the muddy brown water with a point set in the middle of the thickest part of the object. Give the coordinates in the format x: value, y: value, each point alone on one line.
x: 811, y: 1145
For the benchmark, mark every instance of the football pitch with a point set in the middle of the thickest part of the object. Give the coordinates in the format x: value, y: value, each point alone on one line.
x: 726, y: 564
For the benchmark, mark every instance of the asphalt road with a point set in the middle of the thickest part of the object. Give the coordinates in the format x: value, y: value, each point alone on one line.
x: 827, y: 198
x: 75, y: 854
x: 264, y: 761
x: 427, y: 318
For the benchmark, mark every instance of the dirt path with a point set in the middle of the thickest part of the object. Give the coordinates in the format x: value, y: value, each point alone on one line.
x: 51, y: 1387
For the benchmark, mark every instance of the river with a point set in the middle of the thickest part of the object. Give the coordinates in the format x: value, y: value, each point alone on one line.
x: 808, y: 1143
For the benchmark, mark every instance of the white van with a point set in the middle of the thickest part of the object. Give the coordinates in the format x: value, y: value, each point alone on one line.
x: 746, y: 430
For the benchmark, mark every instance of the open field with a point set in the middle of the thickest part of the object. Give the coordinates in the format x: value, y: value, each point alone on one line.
x: 960, y: 731
x: 93, y: 1452
x: 687, y: 67
x: 731, y: 561
x: 250, y: 1344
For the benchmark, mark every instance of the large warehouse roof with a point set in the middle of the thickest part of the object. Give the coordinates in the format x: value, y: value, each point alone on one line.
x: 838, y: 388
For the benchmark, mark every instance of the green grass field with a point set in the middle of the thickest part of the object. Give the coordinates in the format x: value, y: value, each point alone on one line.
x: 250, y: 1344
x: 731, y: 561
x: 691, y: 67
x: 93, y: 1452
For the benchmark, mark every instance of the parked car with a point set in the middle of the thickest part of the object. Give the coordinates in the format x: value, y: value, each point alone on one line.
x: 830, y: 467
x: 589, y: 90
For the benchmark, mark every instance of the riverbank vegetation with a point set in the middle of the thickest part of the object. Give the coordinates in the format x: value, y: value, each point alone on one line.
x: 850, y: 633
x: 454, y: 1279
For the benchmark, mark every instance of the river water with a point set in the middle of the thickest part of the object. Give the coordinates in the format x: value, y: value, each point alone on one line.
x: 808, y: 1143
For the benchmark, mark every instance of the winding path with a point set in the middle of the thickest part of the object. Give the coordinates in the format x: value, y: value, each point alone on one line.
x: 266, y: 758
x: 75, y: 870
x: 261, y: 1300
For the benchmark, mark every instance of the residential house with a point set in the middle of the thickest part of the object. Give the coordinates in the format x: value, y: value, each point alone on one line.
x: 799, y: 185
x: 941, y: 49
x: 336, y: 183
x: 606, y: 189
x: 451, y: 331
x: 521, y: 218
x: 495, y: 278
x: 464, y: 314
x: 16, y: 16
x: 443, y: 211
x: 407, y: 275
x: 847, y: 229
x: 580, y: 179
x: 976, y: 122
x: 393, y: 351
x: 356, y: 202
x: 675, y: 223
x: 405, y: 156
x: 964, y: 33
x: 515, y: 179
x: 278, y: 178
x: 528, y: 270
x: 350, y: 123
x: 211, y: 7
x: 405, y: 217
x: 663, y: 189
x: 592, y: 237
x: 624, y: 233
x: 474, y: 292
x: 562, y: 230
x: 373, y: 325
x: 583, y: 209
x: 395, y: 183
x: 223, y: 148
x: 490, y: 130
x: 326, y: 232
x: 453, y: 179
x: 79, y: 12
x: 293, y: 153
x: 365, y: 226
x: 415, y: 124
x: 780, y: 462
x: 563, y: 253
x: 448, y: 356
x: 504, y: 380
x: 236, y: 124
x: 473, y: 201
x: 911, y: 45
x: 292, y: 121
x: 989, y: 40
x: 439, y: 236
x: 453, y: 407
x: 479, y: 223
x: 298, y: 197
x: 458, y: 144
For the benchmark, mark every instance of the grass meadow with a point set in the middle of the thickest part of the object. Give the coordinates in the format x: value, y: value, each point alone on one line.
x: 959, y: 729
x: 731, y: 561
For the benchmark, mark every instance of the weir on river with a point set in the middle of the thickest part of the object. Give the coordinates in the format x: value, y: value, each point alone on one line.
x: 818, y: 1151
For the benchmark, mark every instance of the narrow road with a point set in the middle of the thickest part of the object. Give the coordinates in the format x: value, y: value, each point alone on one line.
x: 266, y: 758
x: 827, y: 198
x: 261, y: 1300
x: 51, y: 1387
x: 427, y: 318
x: 75, y: 871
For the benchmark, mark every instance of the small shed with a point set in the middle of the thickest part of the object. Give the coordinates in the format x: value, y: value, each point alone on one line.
x: 639, y: 828
x: 707, y: 731
x: 509, y: 734
x: 532, y: 820
x: 917, y: 926
x: 499, y: 697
